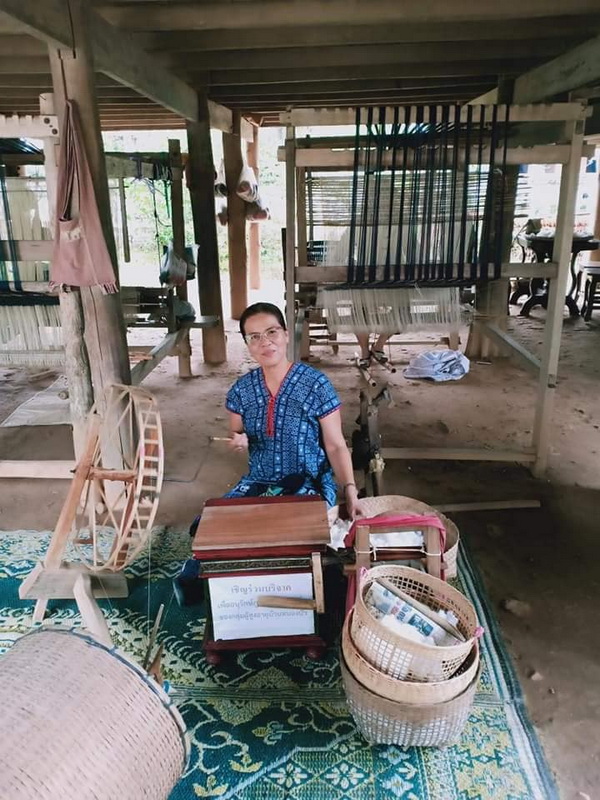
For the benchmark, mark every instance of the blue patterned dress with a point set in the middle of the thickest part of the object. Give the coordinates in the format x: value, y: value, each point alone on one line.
x: 284, y: 435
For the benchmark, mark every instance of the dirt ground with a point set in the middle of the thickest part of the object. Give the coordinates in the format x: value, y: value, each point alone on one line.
x: 545, y: 557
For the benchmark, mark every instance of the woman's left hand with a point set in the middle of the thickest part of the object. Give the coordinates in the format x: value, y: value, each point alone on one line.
x: 353, y: 504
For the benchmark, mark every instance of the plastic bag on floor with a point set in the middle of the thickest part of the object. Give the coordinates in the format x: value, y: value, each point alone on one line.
x: 438, y: 365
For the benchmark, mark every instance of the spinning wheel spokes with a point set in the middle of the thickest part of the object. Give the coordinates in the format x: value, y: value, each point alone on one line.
x: 118, y: 504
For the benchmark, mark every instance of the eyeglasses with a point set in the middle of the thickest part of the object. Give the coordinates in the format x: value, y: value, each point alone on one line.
x: 271, y: 335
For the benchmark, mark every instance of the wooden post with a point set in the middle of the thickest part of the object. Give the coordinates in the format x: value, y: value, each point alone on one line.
x: 254, y: 227
x: 73, y: 76
x: 290, y: 237
x: 201, y: 184
x: 301, y: 216
x: 236, y: 215
x: 184, y: 350
x: 561, y: 254
x: 77, y: 366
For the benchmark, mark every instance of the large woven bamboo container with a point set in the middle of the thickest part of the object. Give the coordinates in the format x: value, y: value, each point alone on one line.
x: 81, y: 721
x: 384, y: 721
x: 398, y: 504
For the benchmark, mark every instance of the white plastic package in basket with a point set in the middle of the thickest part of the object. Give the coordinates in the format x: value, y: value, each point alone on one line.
x: 382, y: 602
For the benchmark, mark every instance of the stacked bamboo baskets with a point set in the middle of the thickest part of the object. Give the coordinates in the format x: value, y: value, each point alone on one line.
x: 404, y: 692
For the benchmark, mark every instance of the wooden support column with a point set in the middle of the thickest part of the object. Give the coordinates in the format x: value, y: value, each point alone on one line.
x: 236, y: 216
x: 254, y: 227
x: 301, y: 215
x: 77, y: 366
x: 561, y: 254
x: 491, y: 298
x: 184, y: 350
x: 201, y: 184
x: 290, y: 237
x: 73, y: 75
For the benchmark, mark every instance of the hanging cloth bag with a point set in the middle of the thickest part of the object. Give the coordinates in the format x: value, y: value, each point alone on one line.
x: 80, y: 257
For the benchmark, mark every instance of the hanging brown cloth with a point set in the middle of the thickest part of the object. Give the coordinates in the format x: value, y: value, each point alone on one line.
x: 80, y: 257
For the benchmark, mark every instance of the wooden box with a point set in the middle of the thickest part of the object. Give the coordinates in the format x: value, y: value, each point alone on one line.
x: 258, y: 555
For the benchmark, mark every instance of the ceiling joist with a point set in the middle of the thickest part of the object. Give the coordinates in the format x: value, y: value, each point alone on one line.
x: 152, y: 16
x: 115, y: 53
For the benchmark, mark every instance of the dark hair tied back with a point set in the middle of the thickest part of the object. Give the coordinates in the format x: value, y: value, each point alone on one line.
x: 261, y: 308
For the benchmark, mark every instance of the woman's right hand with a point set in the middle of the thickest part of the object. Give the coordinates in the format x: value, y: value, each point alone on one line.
x: 238, y: 443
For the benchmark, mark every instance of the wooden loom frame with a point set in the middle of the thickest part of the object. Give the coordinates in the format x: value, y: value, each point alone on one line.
x: 175, y: 341
x: 568, y: 153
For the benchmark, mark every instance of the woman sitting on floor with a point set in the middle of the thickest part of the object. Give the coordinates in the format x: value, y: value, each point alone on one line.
x: 287, y: 415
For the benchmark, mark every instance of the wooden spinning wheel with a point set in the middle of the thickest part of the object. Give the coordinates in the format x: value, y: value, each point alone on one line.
x: 108, y: 514
x: 117, y: 506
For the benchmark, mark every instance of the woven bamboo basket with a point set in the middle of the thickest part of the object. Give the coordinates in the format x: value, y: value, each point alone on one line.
x: 82, y: 721
x: 403, y: 658
x: 398, y: 504
x: 410, y: 692
x: 384, y: 721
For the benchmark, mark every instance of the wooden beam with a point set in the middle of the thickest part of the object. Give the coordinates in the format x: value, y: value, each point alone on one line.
x: 28, y: 126
x: 290, y: 240
x: 165, y: 348
x: 561, y: 254
x: 525, y: 113
x: 28, y: 250
x: 104, y: 328
x: 43, y: 81
x: 393, y: 69
x: 457, y: 454
x: 236, y: 220
x: 24, y: 65
x: 339, y: 274
x: 344, y: 87
x: 494, y: 505
x: 344, y: 159
x: 252, y: 155
x: 152, y: 16
x: 55, y: 470
x: 511, y: 346
x: 184, y: 353
x: 258, y: 38
x: 120, y: 166
x: 579, y: 67
x: 201, y: 185
x: 115, y: 52
x: 321, y: 57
